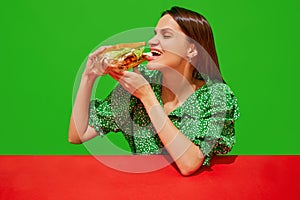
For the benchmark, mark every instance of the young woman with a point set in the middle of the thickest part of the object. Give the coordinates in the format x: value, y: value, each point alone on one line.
x: 178, y: 105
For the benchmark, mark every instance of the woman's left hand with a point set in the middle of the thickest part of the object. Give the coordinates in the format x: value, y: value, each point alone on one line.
x: 133, y: 82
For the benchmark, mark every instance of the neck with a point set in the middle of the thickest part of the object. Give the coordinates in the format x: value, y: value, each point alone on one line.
x: 177, y: 85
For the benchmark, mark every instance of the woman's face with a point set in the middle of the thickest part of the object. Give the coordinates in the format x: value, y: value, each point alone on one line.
x: 168, y: 46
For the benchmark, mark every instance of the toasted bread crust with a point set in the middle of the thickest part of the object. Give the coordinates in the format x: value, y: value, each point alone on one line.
x: 124, y: 45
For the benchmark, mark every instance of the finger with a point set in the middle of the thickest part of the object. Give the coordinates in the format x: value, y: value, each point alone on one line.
x: 123, y: 81
x: 136, y: 70
x: 125, y: 73
x: 98, y: 51
x: 93, y: 54
x: 128, y: 74
x: 102, y: 49
x: 124, y: 84
x: 127, y: 87
x: 115, y: 71
x: 104, y: 62
x: 115, y: 75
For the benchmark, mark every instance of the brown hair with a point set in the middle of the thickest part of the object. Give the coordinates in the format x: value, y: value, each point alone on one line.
x: 197, y: 28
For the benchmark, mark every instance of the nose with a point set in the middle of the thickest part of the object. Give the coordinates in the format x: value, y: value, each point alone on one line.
x: 153, y: 41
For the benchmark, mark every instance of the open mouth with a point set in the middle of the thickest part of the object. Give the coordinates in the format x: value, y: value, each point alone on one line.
x: 153, y: 54
x: 156, y: 52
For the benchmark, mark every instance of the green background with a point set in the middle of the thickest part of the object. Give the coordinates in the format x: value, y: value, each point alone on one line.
x: 43, y: 44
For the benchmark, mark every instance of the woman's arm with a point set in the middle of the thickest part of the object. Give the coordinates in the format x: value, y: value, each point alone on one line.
x: 187, y: 156
x: 184, y: 152
x: 79, y: 131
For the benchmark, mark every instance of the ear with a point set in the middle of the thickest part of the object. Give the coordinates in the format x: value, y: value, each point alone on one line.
x: 192, y: 51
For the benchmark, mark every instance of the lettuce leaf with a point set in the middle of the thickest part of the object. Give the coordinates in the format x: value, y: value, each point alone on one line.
x: 118, y: 53
x: 139, y: 52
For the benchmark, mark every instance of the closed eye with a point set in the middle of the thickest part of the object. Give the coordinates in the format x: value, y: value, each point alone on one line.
x: 167, y: 36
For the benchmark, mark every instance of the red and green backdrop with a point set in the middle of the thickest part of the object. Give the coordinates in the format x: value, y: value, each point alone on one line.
x: 43, y: 44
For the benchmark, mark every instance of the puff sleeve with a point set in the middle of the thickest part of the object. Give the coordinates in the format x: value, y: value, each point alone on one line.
x: 210, y: 122
x: 101, y: 117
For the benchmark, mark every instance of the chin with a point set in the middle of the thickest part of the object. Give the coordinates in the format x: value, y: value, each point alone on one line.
x: 159, y: 64
x: 154, y: 65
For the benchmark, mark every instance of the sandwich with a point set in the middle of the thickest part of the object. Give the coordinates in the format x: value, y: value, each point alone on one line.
x: 122, y: 57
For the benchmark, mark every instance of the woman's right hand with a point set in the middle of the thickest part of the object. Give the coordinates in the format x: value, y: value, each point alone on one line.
x: 97, y: 64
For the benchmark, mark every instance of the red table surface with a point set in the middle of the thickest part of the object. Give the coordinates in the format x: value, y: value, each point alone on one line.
x: 84, y: 177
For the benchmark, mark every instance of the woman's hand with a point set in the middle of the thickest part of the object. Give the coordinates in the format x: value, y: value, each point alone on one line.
x: 97, y: 64
x: 133, y: 82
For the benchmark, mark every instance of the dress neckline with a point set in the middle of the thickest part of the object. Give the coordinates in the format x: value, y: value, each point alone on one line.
x: 178, y: 110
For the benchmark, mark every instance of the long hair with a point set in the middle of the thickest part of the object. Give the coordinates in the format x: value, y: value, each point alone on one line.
x: 197, y: 28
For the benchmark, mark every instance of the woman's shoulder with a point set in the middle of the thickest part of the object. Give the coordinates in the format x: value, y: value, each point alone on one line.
x: 215, y: 89
x: 218, y: 95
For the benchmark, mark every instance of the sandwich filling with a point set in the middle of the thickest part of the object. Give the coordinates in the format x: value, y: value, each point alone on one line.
x: 126, y: 58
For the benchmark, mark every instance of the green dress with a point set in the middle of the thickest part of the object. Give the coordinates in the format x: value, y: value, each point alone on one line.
x: 206, y: 117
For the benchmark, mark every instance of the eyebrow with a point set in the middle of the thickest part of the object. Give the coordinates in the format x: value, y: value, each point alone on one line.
x: 164, y: 29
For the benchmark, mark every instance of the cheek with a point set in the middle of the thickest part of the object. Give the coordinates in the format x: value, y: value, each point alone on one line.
x: 172, y: 59
x: 167, y: 60
x: 175, y: 54
x: 176, y: 46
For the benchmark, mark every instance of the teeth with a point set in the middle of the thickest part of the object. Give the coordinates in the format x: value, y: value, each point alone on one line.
x: 148, y: 54
x: 155, y: 52
x: 152, y: 53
